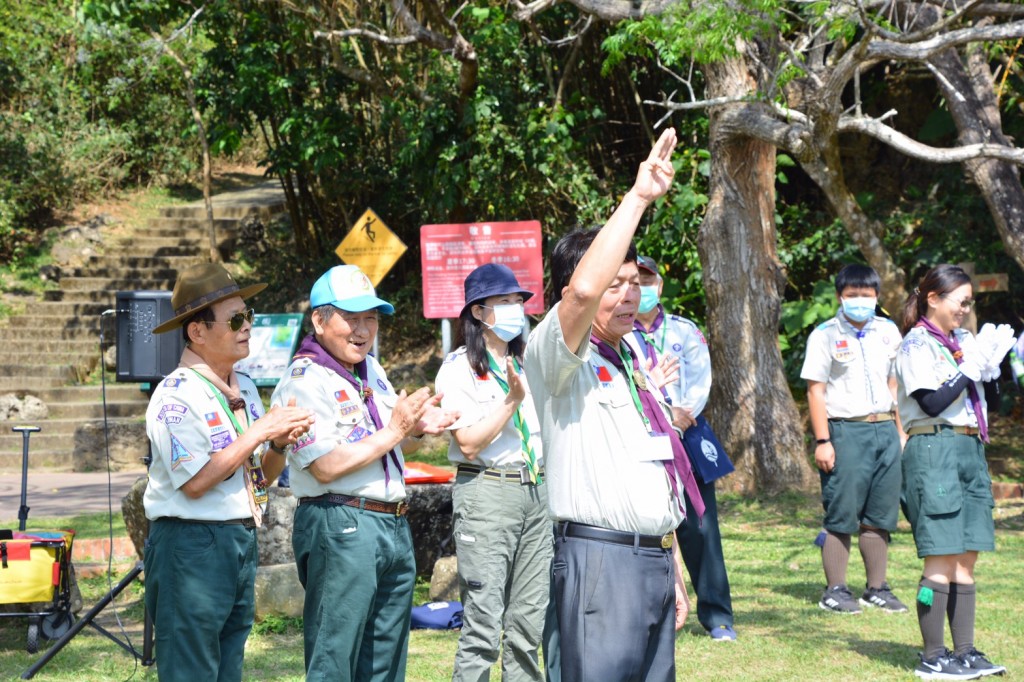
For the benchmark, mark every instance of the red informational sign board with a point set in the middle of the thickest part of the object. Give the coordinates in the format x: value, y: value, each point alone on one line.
x: 450, y: 252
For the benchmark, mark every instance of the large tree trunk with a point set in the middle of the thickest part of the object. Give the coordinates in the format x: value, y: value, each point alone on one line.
x: 971, y: 99
x: 751, y: 407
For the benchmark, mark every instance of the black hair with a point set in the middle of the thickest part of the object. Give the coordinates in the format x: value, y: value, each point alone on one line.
x: 859, y: 277
x: 204, y: 315
x: 941, y: 280
x: 568, y: 253
x: 470, y: 333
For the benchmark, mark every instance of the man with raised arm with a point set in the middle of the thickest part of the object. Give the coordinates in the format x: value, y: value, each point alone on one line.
x: 616, y: 471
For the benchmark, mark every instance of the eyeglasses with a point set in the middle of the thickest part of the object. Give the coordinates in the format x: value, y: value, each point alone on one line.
x: 965, y: 304
x: 236, y: 321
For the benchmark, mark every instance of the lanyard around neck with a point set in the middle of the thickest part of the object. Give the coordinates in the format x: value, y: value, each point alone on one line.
x: 224, y: 403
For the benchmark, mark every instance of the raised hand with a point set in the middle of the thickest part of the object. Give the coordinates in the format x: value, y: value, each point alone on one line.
x: 286, y: 424
x: 666, y: 371
x: 435, y: 420
x: 516, y: 388
x: 409, y: 410
x: 656, y: 173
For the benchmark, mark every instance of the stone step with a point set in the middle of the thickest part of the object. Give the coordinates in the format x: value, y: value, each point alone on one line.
x: 50, y: 426
x: 13, y: 384
x: 13, y: 443
x: 31, y: 373
x: 231, y: 205
x: 124, y: 272
x: 109, y: 285
x: 68, y: 308
x: 90, y: 395
x: 82, y: 358
x: 38, y: 460
x: 195, y: 249
x: 45, y: 343
x: 83, y: 295
x: 94, y: 410
x: 53, y: 322
x: 191, y: 227
x: 140, y: 262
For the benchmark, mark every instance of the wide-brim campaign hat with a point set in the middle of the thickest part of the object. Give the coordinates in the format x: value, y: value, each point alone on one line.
x: 492, y: 279
x: 347, y: 288
x: 200, y: 286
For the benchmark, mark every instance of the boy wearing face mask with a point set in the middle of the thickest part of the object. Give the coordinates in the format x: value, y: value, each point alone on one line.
x: 851, y: 393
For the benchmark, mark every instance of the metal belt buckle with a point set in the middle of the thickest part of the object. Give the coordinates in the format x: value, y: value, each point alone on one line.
x: 524, y: 475
x: 666, y: 541
x: 400, y: 507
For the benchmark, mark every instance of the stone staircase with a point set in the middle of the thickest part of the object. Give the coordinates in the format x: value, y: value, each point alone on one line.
x: 52, y: 347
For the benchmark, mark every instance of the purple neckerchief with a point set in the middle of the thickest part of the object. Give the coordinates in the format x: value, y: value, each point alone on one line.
x: 951, y: 344
x: 310, y: 348
x: 679, y: 465
x: 649, y: 350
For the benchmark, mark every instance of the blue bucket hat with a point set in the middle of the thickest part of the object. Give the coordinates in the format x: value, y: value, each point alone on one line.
x: 492, y: 279
x: 347, y: 288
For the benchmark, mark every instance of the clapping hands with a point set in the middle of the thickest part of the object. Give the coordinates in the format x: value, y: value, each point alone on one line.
x: 994, y: 342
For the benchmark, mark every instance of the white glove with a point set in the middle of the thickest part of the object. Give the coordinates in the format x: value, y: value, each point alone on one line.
x: 971, y: 369
x: 990, y: 374
x: 1003, y: 342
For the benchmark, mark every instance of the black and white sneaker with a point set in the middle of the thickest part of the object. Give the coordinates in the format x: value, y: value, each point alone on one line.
x: 975, y: 660
x: 839, y: 599
x: 944, y: 667
x: 883, y: 598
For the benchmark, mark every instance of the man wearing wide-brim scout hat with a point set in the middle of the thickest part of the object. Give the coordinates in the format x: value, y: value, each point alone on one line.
x: 214, y: 454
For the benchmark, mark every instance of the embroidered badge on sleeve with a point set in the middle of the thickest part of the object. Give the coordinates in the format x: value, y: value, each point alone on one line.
x: 179, y: 453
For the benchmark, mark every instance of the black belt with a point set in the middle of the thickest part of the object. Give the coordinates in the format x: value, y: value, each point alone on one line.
x: 248, y: 524
x: 518, y: 476
x: 399, y: 508
x: 572, y: 529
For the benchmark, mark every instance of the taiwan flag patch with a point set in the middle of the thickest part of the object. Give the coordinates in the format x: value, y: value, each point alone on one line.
x: 603, y: 375
x: 212, y: 419
x: 341, y: 396
x: 841, y: 345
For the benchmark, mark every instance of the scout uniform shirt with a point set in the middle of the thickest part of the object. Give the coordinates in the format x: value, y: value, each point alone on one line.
x: 682, y: 338
x: 599, y: 468
x: 341, y: 417
x: 475, y: 397
x: 187, y: 426
x: 923, y: 363
x: 855, y: 364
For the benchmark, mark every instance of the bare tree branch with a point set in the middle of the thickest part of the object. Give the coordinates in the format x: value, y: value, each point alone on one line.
x: 919, y: 51
x: 365, y: 33
x: 915, y: 149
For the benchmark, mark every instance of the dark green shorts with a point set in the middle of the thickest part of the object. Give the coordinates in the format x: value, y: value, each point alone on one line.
x: 947, y: 494
x: 864, y: 486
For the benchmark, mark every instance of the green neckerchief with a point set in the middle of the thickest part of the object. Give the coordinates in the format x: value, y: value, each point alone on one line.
x: 254, y: 470
x: 517, y: 420
x: 627, y: 372
x: 649, y: 338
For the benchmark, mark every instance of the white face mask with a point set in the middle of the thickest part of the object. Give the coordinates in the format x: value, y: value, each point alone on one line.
x: 859, y: 308
x: 509, y: 320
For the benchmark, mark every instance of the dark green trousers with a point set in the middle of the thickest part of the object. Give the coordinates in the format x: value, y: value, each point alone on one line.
x: 200, y: 593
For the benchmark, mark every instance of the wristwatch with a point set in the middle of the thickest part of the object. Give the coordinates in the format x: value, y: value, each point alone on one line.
x: 822, y: 441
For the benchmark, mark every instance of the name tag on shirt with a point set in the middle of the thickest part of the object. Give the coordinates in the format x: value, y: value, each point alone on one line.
x: 657, y: 449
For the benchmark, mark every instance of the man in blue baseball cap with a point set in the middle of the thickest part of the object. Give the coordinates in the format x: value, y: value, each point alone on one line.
x: 351, y: 539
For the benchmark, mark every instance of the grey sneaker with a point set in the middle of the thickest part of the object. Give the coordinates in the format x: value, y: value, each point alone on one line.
x: 883, y: 598
x: 975, y: 660
x: 839, y: 599
x: 944, y: 667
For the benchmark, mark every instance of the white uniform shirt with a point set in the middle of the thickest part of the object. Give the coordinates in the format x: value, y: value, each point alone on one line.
x: 594, y: 439
x: 682, y: 338
x: 475, y: 397
x: 187, y: 426
x: 341, y: 417
x: 924, y: 363
x: 855, y: 365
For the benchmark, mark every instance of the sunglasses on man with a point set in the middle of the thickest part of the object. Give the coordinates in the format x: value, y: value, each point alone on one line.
x: 236, y: 321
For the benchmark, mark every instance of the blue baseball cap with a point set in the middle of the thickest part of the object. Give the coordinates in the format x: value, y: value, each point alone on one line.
x: 492, y: 279
x: 347, y: 288
x: 647, y: 263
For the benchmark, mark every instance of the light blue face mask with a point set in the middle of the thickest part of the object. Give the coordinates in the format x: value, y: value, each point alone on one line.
x: 648, y: 298
x: 509, y: 320
x: 860, y: 308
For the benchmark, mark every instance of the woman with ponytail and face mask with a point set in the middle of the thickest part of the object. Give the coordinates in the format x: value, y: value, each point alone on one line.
x: 946, y: 486
x: 501, y: 527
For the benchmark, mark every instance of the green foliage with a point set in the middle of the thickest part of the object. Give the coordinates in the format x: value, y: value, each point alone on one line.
x: 278, y: 625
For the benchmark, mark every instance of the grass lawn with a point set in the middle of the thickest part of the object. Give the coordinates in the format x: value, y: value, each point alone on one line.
x: 776, y: 581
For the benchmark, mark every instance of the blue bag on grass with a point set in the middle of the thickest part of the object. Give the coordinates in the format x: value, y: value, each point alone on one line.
x: 706, y: 454
x: 437, y: 615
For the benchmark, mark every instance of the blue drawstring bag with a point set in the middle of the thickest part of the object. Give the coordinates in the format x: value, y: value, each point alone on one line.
x: 437, y: 615
x: 706, y: 454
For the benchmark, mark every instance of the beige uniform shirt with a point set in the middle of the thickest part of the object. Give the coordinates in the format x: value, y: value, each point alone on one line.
x: 923, y: 363
x: 341, y: 418
x: 187, y: 426
x: 855, y: 365
x: 475, y: 397
x: 594, y: 439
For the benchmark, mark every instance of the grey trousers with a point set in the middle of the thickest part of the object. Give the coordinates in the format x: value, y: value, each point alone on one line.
x: 616, y: 611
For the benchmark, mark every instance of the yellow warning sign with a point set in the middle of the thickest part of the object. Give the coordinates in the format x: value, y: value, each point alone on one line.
x: 371, y: 246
